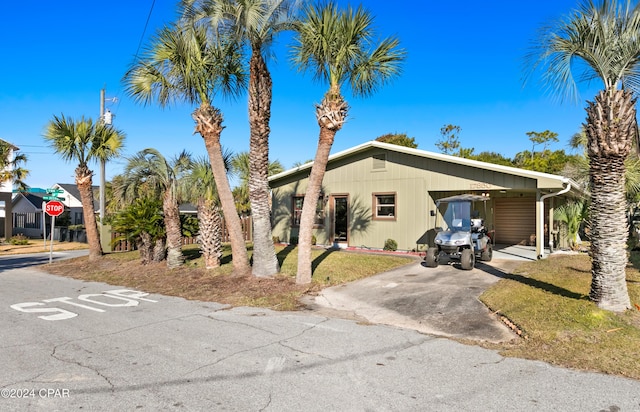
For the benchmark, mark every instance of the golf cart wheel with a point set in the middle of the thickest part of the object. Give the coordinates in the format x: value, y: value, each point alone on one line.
x: 467, y: 259
x: 487, y: 255
x: 431, y: 258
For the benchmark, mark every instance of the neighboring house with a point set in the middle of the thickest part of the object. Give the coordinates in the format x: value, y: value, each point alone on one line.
x: 28, y: 218
x: 6, y: 227
x: 27, y: 210
x: 72, y: 202
x: 378, y: 191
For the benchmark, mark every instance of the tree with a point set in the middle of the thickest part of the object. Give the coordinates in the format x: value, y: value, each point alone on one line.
x: 400, y: 139
x: 241, y: 167
x: 578, y: 168
x: 572, y: 214
x: 151, y: 168
x: 601, y: 37
x: 192, y: 64
x: 450, y: 140
x: 255, y: 23
x: 339, y: 48
x: 142, y: 223
x: 201, y: 188
x: 546, y: 161
x: 543, y: 138
x: 10, y: 170
x: 83, y: 141
x: 492, y: 157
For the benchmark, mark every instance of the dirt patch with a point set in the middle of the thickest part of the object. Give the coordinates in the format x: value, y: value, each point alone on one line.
x: 280, y: 292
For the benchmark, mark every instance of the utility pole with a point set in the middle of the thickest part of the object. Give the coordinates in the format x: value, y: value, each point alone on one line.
x: 102, y: 166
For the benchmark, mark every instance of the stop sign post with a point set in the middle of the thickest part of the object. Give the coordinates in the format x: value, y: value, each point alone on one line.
x: 54, y: 208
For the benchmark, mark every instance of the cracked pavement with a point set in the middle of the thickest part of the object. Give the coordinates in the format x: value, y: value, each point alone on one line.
x: 168, y: 353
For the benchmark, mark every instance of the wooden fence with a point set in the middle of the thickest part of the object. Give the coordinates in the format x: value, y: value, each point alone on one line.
x: 126, y: 246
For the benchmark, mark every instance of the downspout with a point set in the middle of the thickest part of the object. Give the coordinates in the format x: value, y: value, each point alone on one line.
x: 540, y: 215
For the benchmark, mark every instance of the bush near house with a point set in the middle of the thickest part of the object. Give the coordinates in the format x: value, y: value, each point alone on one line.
x: 391, y: 245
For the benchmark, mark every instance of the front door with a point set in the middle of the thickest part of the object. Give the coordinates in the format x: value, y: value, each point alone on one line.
x: 340, y: 219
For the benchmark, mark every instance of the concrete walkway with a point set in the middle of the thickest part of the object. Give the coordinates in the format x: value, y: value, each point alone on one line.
x: 441, y: 301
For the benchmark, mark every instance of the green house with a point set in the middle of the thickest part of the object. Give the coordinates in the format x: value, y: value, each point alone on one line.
x: 378, y: 191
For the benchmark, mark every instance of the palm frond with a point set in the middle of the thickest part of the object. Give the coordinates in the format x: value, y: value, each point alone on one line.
x: 339, y: 47
x: 598, y: 39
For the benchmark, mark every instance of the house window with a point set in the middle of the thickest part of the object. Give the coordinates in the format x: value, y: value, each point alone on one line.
x: 26, y: 220
x: 297, y: 211
x: 78, y: 218
x: 384, y: 205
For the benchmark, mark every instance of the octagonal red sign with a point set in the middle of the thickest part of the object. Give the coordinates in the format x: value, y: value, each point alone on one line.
x: 54, y: 208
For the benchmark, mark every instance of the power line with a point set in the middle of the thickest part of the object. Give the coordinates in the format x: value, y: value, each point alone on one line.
x: 146, y: 24
x: 144, y: 31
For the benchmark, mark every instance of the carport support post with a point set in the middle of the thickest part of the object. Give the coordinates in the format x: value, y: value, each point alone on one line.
x: 539, y: 225
x: 540, y: 216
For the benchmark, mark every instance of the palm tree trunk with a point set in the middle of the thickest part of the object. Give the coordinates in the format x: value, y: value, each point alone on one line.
x: 158, y: 250
x: 611, y: 129
x: 175, y: 258
x: 85, y: 187
x: 209, y: 125
x: 331, y: 115
x: 265, y: 262
x: 210, y: 233
x: 309, y: 205
x: 144, y: 248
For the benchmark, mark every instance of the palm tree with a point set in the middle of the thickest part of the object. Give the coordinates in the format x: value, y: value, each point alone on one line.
x: 339, y: 48
x: 192, y: 65
x: 256, y: 23
x: 579, y: 169
x: 10, y: 170
x: 142, y: 223
x: 84, y: 141
x: 572, y: 214
x: 603, y: 37
x: 152, y: 169
x: 240, y: 165
x: 202, y: 191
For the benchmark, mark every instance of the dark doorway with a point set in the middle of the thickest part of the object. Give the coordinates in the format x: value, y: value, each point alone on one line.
x: 340, y: 219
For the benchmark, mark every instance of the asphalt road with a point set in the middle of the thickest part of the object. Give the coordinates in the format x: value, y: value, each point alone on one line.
x: 73, y: 345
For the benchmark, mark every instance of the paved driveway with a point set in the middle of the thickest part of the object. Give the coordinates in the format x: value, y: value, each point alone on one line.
x: 440, y: 301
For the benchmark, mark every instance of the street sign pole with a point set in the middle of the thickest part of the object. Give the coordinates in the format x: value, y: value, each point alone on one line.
x: 53, y: 223
x: 44, y: 226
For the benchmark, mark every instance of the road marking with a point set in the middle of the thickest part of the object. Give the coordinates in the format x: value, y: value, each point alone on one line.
x: 124, y: 298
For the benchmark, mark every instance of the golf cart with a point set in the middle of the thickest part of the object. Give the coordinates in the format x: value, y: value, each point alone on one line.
x: 465, y: 238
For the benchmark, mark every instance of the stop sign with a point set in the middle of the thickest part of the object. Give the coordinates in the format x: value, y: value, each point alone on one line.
x: 54, y: 208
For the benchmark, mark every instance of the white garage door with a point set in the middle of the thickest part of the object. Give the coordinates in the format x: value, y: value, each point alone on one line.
x: 515, y: 219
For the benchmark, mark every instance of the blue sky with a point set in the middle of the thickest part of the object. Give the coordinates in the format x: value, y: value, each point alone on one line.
x: 465, y: 66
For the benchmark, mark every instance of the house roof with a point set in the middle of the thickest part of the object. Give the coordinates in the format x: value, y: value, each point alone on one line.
x: 34, y: 198
x: 14, y: 147
x: 72, y: 189
x: 560, y: 180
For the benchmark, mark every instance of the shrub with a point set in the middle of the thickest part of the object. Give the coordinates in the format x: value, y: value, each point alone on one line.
x: 391, y: 245
x: 314, y: 240
x: 19, y: 239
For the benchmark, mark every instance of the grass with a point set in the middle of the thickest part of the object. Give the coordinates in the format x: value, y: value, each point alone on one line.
x: 548, y: 301
x: 37, y: 246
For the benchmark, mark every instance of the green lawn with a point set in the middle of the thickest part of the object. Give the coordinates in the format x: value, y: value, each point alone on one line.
x: 548, y: 301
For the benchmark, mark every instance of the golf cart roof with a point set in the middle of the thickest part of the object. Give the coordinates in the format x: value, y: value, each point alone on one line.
x: 463, y: 198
